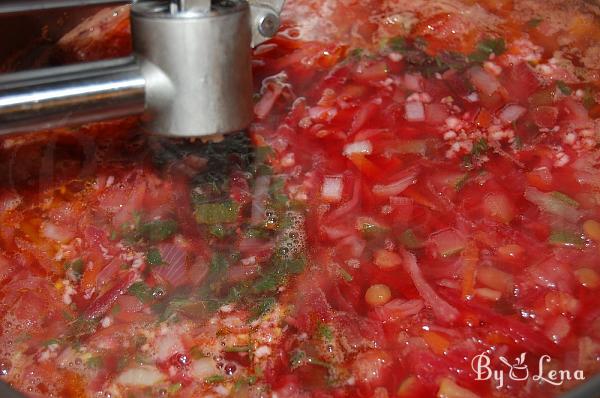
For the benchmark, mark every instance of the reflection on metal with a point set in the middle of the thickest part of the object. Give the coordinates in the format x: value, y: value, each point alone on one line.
x: 21, y: 6
x: 69, y: 95
x: 265, y: 19
x: 191, y: 74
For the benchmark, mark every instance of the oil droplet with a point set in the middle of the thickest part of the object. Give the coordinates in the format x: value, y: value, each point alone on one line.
x: 230, y: 369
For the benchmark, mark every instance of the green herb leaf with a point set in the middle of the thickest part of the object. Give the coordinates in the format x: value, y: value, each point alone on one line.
x: 258, y: 233
x: 297, y: 359
x: 173, y: 388
x: 565, y: 198
x: 567, y: 239
x: 142, y: 291
x: 215, y: 379
x: 410, y: 240
x: 397, y: 43
x: 345, y: 274
x: 371, y: 229
x: 563, y: 87
x: 218, y: 231
x: 356, y: 53
x: 588, y: 98
x: 263, y: 306
x: 487, y: 47
x: 243, y: 348
x: 75, y: 267
x: 153, y: 257
x: 534, y: 23
x: 216, y: 213
x: 51, y: 342
x: 324, y: 331
x: 277, y: 192
x: 480, y: 147
x: 116, y: 309
x: 159, y: 230
x: 461, y: 182
x: 197, y: 353
x: 94, y: 362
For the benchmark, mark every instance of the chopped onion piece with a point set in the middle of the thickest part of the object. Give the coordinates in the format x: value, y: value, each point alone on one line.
x: 495, y: 279
x: 352, y: 245
x: 483, y: 81
x: 449, y: 389
x: 448, y: 242
x: 488, y: 294
x: 168, y: 345
x: 203, y: 368
x: 415, y: 112
x: 332, y: 189
x: 499, y: 207
x: 511, y: 113
x: 358, y: 147
x: 551, y: 204
x: 558, y: 329
x: 142, y: 376
x: 59, y: 233
x: 408, y: 178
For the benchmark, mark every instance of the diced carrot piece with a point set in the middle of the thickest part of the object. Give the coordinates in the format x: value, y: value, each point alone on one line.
x: 365, y: 166
x: 88, y: 280
x: 484, y: 118
x: 419, y: 198
x: 470, y: 257
x: 438, y: 343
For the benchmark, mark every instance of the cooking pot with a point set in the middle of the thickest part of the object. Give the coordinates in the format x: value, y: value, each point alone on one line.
x: 29, y: 43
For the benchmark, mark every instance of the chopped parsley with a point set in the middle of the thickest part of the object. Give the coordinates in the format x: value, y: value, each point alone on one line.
x: 153, y: 257
x: 243, y: 348
x: 486, y: 48
x: 461, y: 182
x: 567, y: 239
x: 563, y: 87
x: 534, y: 23
x: 75, y: 268
x: 51, y: 342
x: 345, y: 274
x: 94, y: 362
x: 588, y: 98
x: 215, y: 379
x: 173, y: 388
x: 158, y: 230
x: 297, y: 359
x: 325, y: 331
x: 142, y: 291
x: 480, y: 147
x: 216, y: 213
x: 218, y: 231
x: 197, y: 353
x: 153, y: 231
x: 565, y: 199
x: 410, y: 240
x: 356, y: 53
x: 262, y: 307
